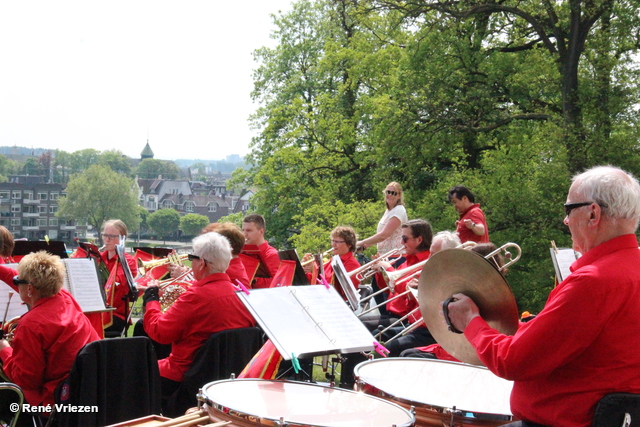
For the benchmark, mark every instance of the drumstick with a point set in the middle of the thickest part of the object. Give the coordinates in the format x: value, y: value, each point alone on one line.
x: 193, y: 422
x: 220, y: 424
x: 181, y: 419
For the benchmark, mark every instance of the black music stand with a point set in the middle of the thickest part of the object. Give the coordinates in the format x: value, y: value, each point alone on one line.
x: 132, y: 295
x: 299, y: 277
x: 54, y: 247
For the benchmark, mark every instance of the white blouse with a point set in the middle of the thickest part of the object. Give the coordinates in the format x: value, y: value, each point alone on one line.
x: 395, y: 239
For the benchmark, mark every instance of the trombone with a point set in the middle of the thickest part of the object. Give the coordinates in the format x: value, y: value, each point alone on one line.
x: 366, y: 270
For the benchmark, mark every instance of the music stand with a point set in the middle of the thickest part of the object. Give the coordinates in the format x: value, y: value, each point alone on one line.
x: 299, y: 277
x: 154, y: 252
x: 132, y: 295
x: 90, y: 248
x: 25, y: 247
x: 353, y: 297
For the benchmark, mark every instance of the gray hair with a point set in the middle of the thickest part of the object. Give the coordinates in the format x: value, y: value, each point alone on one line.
x: 449, y: 239
x: 615, y: 190
x: 215, y: 249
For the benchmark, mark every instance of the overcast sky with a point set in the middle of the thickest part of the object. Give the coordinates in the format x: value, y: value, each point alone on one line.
x: 109, y: 74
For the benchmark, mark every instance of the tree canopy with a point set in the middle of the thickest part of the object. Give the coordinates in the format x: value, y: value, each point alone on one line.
x: 99, y: 194
x: 192, y: 224
x: 164, y: 222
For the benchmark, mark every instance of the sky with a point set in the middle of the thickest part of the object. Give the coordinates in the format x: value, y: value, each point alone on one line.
x: 114, y: 74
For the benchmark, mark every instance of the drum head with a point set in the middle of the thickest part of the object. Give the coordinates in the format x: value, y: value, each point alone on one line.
x: 438, y: 386
x: 461, y: 271
x: 300, y: 404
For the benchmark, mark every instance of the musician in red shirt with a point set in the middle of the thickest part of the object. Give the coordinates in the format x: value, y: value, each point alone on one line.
x: 253, y: 228
x: 209, y: 305
x: 576, y: 350
x: 343, y: 243
x: 111, y: 232
x: 472, y: 225
x: 50, y: 334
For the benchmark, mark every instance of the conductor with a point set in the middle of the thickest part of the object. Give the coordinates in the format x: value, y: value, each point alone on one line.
x: 577, y: 349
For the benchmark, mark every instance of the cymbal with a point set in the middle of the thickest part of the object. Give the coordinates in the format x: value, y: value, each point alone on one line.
x: 462, y: 271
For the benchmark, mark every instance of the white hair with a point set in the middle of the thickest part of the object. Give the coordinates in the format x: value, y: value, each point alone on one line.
x: 615, y: 190
x: 449, y: 239
x: 215, y: 249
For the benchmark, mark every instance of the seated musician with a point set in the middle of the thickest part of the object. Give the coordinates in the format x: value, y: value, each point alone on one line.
x: 111, y: 232
x: 49, y: 335
x: 577, y: 349
x: 343, y: 243
x: 236, y: 270
x: 7, y: 244
x: 209, y: 305
x: 416, y: 239
x: 253, y: 228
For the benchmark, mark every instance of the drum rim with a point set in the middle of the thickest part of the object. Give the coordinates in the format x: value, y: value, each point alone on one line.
x: 261, y: 420
x: 422, y: 406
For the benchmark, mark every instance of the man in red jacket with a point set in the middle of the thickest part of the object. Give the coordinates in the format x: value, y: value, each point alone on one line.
x: 576, y: 350
x: 253, y: 227
x: 209, y: 305
x: 472, y: 225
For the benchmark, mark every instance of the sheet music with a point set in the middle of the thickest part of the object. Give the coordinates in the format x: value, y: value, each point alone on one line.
x: 307, y: 320
x: 16, y: 308
x: 562, y: 260
x: 83, y: 283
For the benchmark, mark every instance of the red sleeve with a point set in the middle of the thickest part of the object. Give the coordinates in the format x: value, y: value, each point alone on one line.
x: 25, y: 362
x: 6, y: 275
x: 165, y: 328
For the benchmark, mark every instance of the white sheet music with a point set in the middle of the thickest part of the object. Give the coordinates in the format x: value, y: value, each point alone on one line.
x: 307, y: 320
x: 83, y: 283
x: 16, y: 308
x: 562, y: 260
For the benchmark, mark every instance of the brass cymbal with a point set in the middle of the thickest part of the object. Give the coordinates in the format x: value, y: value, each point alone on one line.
x: 455, y: 271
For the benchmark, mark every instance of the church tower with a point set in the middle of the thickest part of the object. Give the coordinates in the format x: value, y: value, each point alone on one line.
x: 147, y: 153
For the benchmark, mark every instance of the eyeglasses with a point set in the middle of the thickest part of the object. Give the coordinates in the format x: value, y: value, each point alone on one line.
x: 192, y: 257
x: 568, y: 207
x: 391, y: 192
x: 337, y: 241
x: 18, y: 281
x: 109, y: 236
x: 405, y: 238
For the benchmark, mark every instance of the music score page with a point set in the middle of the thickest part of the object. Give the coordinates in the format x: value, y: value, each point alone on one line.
x: 307, y: 320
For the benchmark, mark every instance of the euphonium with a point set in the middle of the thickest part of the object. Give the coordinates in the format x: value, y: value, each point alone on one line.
x: 143, y: 266
x: 173, y: 288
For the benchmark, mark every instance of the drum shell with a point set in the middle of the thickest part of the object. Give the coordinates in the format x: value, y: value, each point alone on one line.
x: 372, y: 376
x: 298, y: 404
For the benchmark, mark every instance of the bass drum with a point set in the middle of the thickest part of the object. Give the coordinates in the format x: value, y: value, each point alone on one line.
x: 254, y: 402
x: 442, y: 392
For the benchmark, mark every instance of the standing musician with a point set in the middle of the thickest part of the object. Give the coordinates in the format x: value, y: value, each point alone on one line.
x: 50, y: 334
x: 209, y: 305
x: 343, y: 243
x: 253, y: 228
x: 111, y: 232
x: 472, y: 225
x: 576, y: 350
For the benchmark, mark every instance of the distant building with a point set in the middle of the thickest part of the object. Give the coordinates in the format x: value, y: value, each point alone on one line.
x: 147, y: 153
x: 28, y: 207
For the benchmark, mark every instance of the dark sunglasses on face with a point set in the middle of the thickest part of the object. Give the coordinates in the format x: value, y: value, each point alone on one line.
x: 193, y: 257
x: 568, y: 207
x: 391, y: 193
x: 405, y: 238
x: 18, y: 281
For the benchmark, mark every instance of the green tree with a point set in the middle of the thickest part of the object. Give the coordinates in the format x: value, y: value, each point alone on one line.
x: 152, y: 168
x: 7, y: 167
x: 192, y: 224
x: 32, y: 167
x: 164, y: 222
x: 117, y: 161
x: 99, y: 194
x: 235, y: 218
x: 82, y: 160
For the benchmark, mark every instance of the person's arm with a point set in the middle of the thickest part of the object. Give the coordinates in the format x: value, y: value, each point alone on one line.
x: 6, y: 275
x: 477, y: 227
x: 391, y: 226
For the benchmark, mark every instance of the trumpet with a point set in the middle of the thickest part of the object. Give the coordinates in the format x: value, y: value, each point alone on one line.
x: 310, y: 260
x: 144, y: 266
x: 367, y: 270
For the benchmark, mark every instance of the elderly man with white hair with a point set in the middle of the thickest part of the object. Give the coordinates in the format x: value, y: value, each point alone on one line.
x: 579, y: 347
x: 209, y: 305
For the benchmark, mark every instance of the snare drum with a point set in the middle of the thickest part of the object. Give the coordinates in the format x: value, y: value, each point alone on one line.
x: 252, y: 402
x: 442, y: 392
